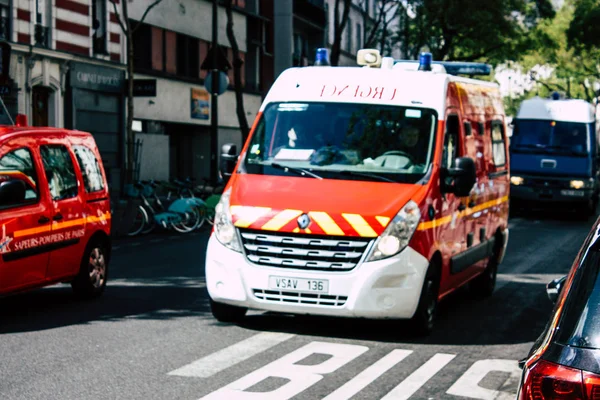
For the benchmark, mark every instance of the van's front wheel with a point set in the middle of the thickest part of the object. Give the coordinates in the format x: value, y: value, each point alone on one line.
x: 423, y: 321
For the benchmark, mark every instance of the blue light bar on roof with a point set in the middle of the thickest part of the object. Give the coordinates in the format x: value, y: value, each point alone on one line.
x: 458, y: 67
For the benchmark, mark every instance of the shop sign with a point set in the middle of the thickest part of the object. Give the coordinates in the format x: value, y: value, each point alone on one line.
x: 87, y: 76
x: 200, y: 104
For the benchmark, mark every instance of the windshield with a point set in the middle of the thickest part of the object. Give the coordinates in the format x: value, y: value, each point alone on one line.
x: 343, y: 141
x: 553, y: 136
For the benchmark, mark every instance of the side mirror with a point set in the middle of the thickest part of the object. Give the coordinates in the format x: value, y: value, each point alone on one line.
x: 463, y: 176
x: 228, y: 159
x: 554, y: 288
x: 12, y: 192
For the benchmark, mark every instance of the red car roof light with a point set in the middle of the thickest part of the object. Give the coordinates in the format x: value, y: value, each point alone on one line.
x: 592, y: 385
x: 549, y: 381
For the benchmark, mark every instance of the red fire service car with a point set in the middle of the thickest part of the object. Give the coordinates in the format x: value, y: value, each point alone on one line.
x: 54, y: 210
x: 370, y: 192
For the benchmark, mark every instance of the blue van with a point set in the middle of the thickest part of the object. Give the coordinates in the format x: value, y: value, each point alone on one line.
x: 554, y: 151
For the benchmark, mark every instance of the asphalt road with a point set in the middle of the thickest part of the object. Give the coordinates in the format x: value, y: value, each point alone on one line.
x: 151, y: 335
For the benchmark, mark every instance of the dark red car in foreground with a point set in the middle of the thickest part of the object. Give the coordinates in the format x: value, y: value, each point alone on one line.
x: 564, y: 363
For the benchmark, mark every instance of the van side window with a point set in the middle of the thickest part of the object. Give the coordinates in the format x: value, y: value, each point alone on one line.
x: 450, y: 142
x: 90, y: 169
x: 498, y: 149
x: 60, y: 171
x: 18, y: 164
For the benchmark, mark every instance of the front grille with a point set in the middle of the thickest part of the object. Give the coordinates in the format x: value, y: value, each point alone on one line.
x: 309, y: 252
x: 542, y: 183
x: 300, y: 298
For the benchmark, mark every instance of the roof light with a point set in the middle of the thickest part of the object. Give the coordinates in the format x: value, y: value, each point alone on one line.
x: 425, y: 61
x: 449, y: 67
x: 369, y: 57
x: 322, y: 57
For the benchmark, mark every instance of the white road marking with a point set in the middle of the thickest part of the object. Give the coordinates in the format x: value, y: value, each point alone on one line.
x: 229, y: 356
x: 300, y: 377
x: 369, y: 375
x: 468, y: 384
x: 410, y: 385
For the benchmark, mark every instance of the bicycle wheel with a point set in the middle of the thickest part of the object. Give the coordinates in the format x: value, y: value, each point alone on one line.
x: 202, y: 212
x: 188, y: 223
x: 139, y: 221
x: 150, y: 223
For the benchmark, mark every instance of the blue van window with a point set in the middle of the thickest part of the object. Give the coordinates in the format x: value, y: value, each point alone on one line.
x: 557, y: 135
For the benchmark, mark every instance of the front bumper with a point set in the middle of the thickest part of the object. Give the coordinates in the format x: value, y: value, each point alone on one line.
x: 550, y: 194
x: 387, y: 288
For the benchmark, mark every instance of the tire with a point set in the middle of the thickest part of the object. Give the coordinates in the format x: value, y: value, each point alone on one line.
x: 226, y: 313
x: 93, y: 271
x: 139, y: 222
x: 422, y: 323
x: 484, y: 285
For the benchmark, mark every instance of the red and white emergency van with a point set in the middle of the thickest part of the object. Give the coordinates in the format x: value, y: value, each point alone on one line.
x: 370, y: 191
x: 54, y: 210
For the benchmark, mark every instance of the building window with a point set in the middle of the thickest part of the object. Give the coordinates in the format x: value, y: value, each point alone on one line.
x: 349, y: 37
x: 327, y: 24
x: 358, y: 36
x: 43, y: 22
x: 99, y: 26
x: 5, y: 20
x: 188, y: 56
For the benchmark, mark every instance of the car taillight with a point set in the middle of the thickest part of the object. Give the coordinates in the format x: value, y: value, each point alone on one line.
x: 549, y: 381
x: 592, y: 385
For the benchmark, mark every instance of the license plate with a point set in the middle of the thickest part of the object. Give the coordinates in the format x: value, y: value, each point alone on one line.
x: 299, y: 284
x: 577, y: 193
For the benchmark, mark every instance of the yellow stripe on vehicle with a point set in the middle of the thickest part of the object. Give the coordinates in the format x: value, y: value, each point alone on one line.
x: 384, y: 221
x: 61, y: 225
x: 248, y: 215
x: 326, y: 223
x: 281, y: 219
x: 447, y: 219
x: 360, y: 225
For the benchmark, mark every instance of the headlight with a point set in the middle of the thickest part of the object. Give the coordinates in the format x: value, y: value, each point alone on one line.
x: 224, y: 228
x: 580, y: 184
x: 516, y: 180
x: 398, y: 233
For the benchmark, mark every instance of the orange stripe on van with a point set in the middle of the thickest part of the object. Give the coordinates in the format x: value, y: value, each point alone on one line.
x: 448, y: 218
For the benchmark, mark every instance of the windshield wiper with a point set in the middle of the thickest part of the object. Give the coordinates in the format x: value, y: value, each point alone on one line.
x: 364, y: 174
x: 298, y: 171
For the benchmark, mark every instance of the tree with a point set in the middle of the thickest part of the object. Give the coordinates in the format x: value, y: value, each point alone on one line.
x: 494, y: 31
x: 128, y: 31
x: 584, y: 30
x: 561, y: 60
x: 237, y: 73
x: 338, y: 29
x: 376, y: 28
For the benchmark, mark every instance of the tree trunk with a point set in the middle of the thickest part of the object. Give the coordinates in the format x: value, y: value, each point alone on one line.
x: 338, y: 29
x: 237, y: 74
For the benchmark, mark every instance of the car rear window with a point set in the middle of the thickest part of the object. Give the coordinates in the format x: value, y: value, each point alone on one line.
x: 580, y: 322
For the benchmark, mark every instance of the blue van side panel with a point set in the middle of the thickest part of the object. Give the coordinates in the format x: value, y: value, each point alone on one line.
x: 566, y: 166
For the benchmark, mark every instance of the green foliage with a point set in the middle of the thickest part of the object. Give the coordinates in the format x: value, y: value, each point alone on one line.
x: 584, y: 29
x: 492, y: 30
x: 575, y: 65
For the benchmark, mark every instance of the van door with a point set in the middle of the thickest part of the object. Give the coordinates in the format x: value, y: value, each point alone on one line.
x: 499, y: 177
x: 24, y: 222
x: 68, y: 219
x: 454, y: 233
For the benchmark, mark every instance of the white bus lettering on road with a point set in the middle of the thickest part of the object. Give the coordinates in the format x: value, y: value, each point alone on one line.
x: 300, y: 377
x: 234, y: 354
x: 468, y: 384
